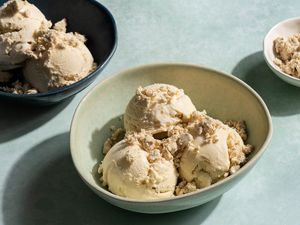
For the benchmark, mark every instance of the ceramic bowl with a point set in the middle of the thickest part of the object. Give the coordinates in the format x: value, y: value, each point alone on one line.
x: 87, y: 17
x: 223, y: 96
x: 283, y: 29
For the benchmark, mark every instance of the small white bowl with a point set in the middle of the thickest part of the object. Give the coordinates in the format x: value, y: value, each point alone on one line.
x: 283, y: 29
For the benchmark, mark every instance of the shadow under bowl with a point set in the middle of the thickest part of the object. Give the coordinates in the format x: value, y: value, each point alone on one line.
x: 223, y: 96
x: 87, y: 17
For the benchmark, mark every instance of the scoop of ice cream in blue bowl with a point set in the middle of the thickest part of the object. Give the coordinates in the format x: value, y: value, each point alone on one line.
x: 51, y: 50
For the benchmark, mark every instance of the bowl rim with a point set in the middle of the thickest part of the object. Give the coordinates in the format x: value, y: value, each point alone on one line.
x: 86, y: 78
x: 266, y: 57
x: 247, y: 166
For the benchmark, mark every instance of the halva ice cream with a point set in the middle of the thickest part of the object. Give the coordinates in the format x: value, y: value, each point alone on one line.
x: 195, y: 150
x: 50, y: 57
x: 212, y: 151
x: 138, y: 167
x: 157, y: 107
x: 19, y: 22
x: 60, y: 59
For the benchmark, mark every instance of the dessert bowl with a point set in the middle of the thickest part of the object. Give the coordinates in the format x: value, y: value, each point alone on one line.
x: 87, y: 17
x: 223, y: 96
x: 283, y: 29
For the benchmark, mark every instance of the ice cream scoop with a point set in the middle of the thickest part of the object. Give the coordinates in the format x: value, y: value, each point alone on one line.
x: 157, y: 107
x: 60, y: 59
x: 137, y: 168
x: 19, y: 22
x: 212, y: 152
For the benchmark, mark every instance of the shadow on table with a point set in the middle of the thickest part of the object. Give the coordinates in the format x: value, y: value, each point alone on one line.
x: 99, y: 136
x: 44, y: 188
x: 18, y: 119
x: 281, y: 98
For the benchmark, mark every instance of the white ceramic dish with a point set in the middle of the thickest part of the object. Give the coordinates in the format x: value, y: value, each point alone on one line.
x: 283, y: 29
x: 223, y: 96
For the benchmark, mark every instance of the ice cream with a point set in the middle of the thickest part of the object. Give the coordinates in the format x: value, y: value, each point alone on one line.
x: 195, y: 150
x: 213, y: 151
x: 157, y: 107
x: 19, y: 22
x: 60, y: 59
x: 50, y: 57
x: 138, y: 168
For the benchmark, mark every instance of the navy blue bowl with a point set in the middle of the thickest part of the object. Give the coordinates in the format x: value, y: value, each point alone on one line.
x: 87, y: 17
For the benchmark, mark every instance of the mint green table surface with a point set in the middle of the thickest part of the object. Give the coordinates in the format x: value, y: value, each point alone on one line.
x: 38, y: 183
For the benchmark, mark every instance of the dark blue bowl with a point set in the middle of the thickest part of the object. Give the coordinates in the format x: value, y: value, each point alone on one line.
x: 87, y: 17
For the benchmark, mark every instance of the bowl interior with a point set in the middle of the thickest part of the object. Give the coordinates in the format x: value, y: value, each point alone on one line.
x: 283, y: 29
x: 223, y: 97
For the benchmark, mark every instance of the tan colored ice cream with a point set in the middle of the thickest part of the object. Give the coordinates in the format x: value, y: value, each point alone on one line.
x: 19, y: 22
x: 157, y: 107
x: 212, y: 152
x: 138, y: 168
x: 170, y: 148
x: 60, y: 59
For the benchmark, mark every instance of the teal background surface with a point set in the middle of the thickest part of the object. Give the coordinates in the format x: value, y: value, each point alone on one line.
x: 38, y: 182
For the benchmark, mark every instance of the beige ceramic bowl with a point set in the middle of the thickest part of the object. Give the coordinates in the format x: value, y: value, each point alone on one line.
x: 285, y: 28
x: 222, y: 95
